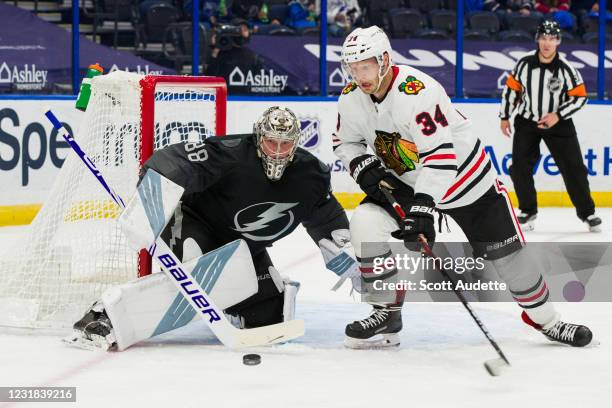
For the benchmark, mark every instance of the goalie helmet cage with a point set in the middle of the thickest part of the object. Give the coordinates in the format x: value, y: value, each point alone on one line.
x: 73, y: 250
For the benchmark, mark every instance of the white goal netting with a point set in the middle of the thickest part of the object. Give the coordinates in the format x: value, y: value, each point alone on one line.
x: 73, y: 250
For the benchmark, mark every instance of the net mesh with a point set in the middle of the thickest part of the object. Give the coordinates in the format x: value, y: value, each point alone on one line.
x: 73, y: 250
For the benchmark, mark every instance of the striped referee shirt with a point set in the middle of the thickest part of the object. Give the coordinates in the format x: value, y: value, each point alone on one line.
x: 535, y: 89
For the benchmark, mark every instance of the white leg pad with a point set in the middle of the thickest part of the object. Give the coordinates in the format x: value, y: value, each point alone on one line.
x: 290, y: 294
x: 152, y: 305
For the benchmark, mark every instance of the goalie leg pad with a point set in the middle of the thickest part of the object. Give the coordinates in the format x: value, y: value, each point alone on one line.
x: 151, y: 305
x: 289, y: 296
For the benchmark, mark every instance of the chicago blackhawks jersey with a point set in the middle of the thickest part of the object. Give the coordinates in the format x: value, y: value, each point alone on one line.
x: 418, y: 136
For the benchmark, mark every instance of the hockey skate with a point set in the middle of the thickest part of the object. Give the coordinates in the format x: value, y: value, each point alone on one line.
x: 526, y: 220
x: 593, y: 222
x: 93, y: 332
x: 379, y: 330
x: 574, y: 335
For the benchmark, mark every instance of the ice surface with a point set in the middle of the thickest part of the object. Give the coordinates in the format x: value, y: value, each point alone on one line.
x: 439, y: 364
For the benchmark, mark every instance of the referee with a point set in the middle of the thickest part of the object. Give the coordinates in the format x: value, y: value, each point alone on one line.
x: 545, y: 91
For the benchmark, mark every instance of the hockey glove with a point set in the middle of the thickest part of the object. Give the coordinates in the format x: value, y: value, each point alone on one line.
x: 340, y: 259
x: 368, y: 172
x: 419, y: 221
x: 149, y: 210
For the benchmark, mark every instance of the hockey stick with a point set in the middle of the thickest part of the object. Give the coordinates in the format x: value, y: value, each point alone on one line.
x: 189, y: 287
x: 493, y: 366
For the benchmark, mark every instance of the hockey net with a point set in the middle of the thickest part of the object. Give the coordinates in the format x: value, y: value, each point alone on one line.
x: 73, y: 250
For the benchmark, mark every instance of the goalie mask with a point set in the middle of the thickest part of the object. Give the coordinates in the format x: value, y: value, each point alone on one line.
x: 277, y: 134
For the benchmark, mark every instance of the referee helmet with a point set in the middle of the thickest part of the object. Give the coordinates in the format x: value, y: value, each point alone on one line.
x: 549, y: 27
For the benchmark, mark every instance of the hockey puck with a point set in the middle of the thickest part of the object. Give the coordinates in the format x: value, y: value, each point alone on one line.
x: 251, y: 359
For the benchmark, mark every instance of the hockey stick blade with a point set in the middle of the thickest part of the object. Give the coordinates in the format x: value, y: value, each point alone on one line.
x: 275, y: 333
x: 187, y: 286
x: 496, y: 366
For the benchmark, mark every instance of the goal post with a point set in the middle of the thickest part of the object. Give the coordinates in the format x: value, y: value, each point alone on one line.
x: 152, y: 89
x: 73, y: 250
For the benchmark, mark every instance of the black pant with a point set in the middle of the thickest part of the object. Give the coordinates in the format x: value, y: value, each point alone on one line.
x: 562, y: 142
x: 489, y: 225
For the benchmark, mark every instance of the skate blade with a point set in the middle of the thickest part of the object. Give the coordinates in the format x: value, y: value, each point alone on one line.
x: 94, y: 343
x: 594, y: 343
x: 596, y: 228
x: 378, y: 342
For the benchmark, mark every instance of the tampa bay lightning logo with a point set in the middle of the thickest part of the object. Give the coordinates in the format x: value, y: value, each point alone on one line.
x: 310, y: 128
x: 264, y: 221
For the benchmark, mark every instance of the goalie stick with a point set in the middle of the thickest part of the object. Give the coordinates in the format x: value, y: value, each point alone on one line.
x: 494, y: 366
x: 189, y: 287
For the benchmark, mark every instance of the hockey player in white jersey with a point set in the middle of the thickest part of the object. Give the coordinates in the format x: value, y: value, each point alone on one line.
x: 427, y: 152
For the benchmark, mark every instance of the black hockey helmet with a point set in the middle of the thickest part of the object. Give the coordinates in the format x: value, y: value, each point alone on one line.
x: 549, y: 27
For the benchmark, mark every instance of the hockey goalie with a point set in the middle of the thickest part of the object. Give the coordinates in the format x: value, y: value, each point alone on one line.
x: 219, y: 205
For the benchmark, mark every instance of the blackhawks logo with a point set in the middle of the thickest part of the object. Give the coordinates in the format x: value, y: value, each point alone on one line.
x: 397, y: 154
x: 411, y: 86
x: 349, y: 88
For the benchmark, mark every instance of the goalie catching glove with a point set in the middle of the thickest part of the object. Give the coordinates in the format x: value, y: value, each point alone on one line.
x: 338, y: 257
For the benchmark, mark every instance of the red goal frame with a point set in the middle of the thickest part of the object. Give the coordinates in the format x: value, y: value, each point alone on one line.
x: 148, y: 86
